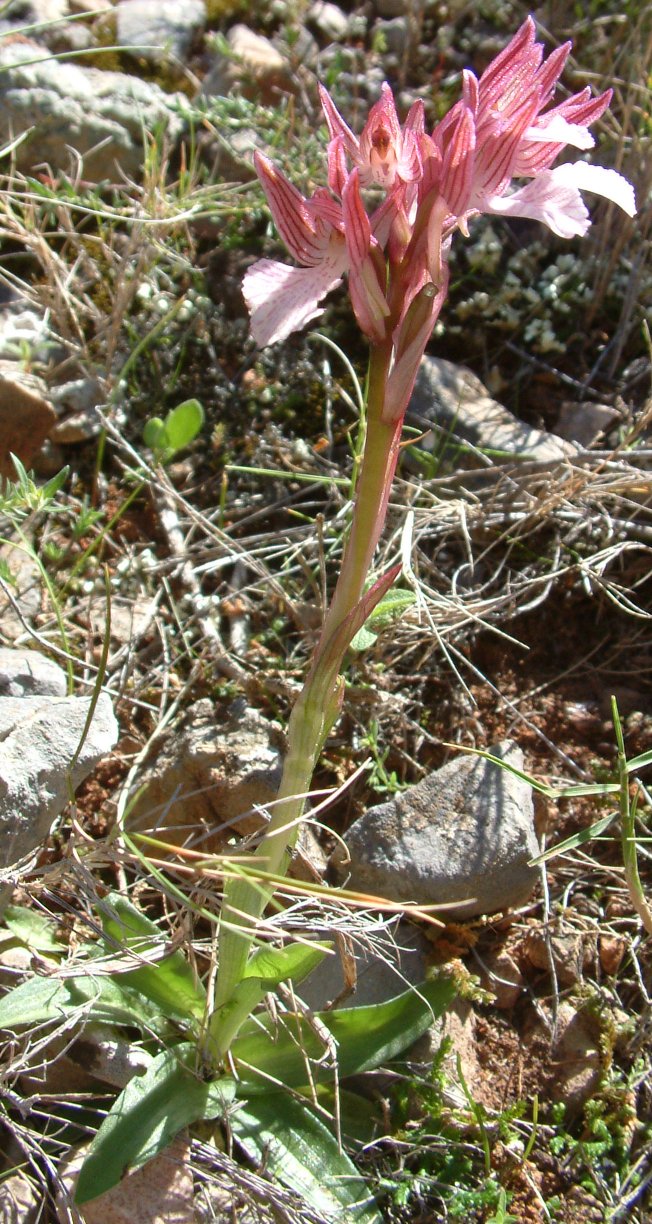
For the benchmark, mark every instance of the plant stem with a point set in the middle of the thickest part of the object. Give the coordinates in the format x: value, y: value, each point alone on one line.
x: 318, y: 704
x: 628, y: 829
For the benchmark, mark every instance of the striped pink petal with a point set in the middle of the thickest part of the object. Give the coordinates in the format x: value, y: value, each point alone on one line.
x: 292, y: 216
x: 336, y: 125
x: 554, y: 197
x: 283, y: 299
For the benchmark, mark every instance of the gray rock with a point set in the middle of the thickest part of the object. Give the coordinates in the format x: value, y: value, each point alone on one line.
x: 462, y: 838
x: 31, y: 12
x: 27, y: 673
x: 395, y: 33
x: 19, y: 1200
x: 76, y: 403
x: 212, y: 780
x: 159, y: 28
x: 253, y: 63
x: 41, y: 736
x: 584, y: 423
x: 101, y: 115
x: 378, y: 977
x: 107, y: 1056
x: 209, y: 776
x: 328, y: 20
x: 78, y: 395
x: 52, y: 27
x: 453, y: 400
x: 25, y: 329
x: 20, y: 596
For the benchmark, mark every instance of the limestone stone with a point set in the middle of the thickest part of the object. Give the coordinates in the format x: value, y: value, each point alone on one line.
x: 462, y: 838
x: 41, y: 758
x: 101, y: 115
x: 328, y: 20
x: 159, y: 28
x: 28, y: 673
x: 452, y: 398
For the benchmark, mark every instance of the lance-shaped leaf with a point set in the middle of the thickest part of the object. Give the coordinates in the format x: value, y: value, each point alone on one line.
x: 42, y: 1000
x: 296, y: 1147
x: 147, y: 1115
x: 170, y: 982
x: 292, y: 1051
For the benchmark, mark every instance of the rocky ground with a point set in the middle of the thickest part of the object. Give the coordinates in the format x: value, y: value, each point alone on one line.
x: 160, y: 597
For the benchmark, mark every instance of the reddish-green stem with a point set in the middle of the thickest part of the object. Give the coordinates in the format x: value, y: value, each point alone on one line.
x: 318, y: 703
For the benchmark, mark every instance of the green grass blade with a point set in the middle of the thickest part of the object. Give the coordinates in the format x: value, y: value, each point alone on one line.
x: 639, y: 762
x: 577, y: 839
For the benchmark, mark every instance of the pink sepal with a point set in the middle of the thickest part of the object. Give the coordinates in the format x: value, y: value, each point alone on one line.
x: 282, y: 299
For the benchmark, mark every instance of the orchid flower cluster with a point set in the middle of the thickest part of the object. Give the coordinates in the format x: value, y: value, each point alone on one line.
x: 503, y: 128
x: 395, y: 197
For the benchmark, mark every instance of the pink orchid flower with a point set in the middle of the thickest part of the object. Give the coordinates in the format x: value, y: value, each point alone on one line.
x: 327, y: 238
x: 501, y: 130
x: 385, y: 152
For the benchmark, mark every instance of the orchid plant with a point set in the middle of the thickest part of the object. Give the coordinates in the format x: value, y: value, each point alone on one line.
x: 395, y: 258
x: 395, y: 197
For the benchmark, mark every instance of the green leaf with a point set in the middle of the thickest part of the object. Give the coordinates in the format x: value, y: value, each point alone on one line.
x: 35, y: 930
x: 41, y: 999
x: 364, y: 1037
x: 23, y: 479
x: 275, y: 965
x: 151, y: 1110
x: 293, y: 1144
x: 55, y: 484
x: 154, y: 434
x: 638, y: 762
x: 267, y: 968
x: 183, y: 424
x: 171, y: 982
x: 390, y: 608
x: 363, y: 639
x: 577, y: 839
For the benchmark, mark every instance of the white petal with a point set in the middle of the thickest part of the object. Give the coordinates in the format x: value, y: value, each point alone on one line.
x: 602, y: 182
x: 559, y: 207
x: 560, y: 131
x: 282, y: 299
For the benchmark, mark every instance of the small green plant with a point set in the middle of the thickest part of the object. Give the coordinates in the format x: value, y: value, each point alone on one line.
x: 628, y: 802
x: 23, y: 497
x: 380, y: 778
x: 85, y: 518
x: 444, y: 1163
x: 180, y: 427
